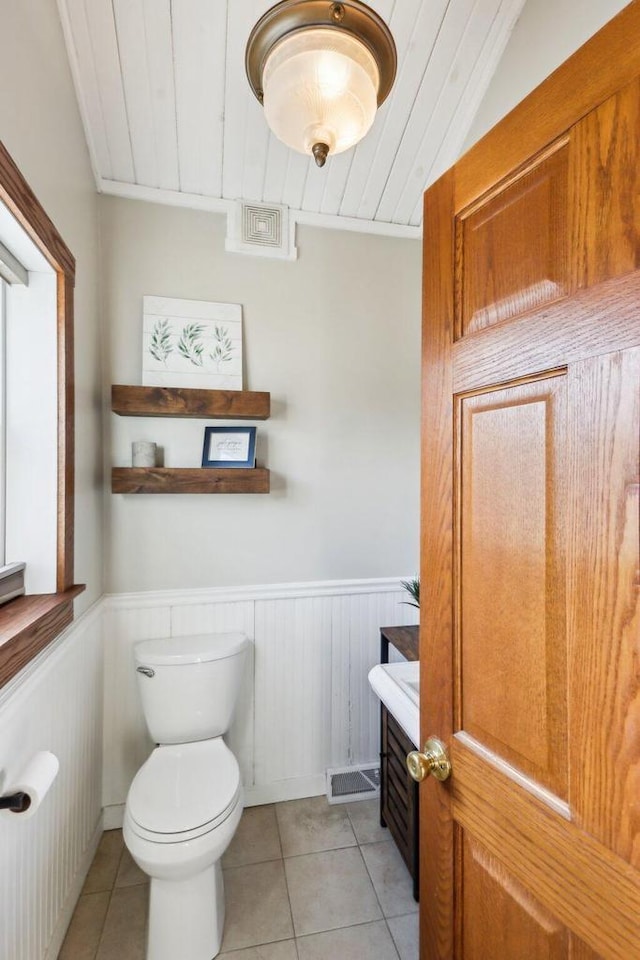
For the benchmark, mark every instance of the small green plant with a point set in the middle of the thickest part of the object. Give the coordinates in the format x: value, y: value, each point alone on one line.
x: 223, y: 350
x: 160, y: 346
x: 190, y: 345
x: 413, y: 589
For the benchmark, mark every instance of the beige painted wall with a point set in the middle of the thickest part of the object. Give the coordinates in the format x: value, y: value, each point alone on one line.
x: 546, y: 34
x: 40, y: 126
x: 335, y: 337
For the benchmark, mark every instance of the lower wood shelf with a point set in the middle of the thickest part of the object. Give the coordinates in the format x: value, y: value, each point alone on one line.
x: 189, y: 480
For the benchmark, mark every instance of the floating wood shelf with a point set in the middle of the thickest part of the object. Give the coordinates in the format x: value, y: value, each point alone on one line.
x: 184, y: 402
x: 189, y: 480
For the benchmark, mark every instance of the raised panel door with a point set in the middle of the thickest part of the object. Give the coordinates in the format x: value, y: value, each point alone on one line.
x: 530, y: 532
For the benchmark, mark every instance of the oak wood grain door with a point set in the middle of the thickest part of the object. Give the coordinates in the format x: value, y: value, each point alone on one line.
x: 530, y: 645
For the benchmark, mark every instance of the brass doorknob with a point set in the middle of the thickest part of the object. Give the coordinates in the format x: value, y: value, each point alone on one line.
x: 433, y: 760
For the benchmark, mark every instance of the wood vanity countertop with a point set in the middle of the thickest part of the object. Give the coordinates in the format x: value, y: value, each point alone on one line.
x: 405, y: 639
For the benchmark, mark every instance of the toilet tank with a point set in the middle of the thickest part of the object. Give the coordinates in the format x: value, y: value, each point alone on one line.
x: 190, y: 685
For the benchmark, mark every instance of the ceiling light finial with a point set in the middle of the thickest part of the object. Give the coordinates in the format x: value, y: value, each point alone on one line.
x: 320, y: 153
x: 321, y: 70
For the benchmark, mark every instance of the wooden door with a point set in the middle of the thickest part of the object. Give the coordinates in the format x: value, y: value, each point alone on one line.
x: 530, y: 647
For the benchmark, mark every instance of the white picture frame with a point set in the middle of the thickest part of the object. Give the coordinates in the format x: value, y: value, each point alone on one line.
x: 191, y: 343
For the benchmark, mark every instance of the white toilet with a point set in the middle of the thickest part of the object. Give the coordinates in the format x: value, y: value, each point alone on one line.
x: 185, y: 802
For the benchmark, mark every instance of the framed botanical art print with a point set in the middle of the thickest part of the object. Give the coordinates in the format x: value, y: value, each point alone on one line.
x: 191, y: 343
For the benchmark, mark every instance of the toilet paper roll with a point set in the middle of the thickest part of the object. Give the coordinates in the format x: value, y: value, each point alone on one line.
x: 34, y: 781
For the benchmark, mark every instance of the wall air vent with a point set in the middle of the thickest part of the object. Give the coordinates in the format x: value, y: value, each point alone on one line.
x: 261, y: 225
x: 261, y: 229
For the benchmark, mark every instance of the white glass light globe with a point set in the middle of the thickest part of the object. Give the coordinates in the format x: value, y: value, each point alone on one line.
x: 320, y: 86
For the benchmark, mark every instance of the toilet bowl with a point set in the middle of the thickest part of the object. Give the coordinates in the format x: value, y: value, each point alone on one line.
x: 185, y: 802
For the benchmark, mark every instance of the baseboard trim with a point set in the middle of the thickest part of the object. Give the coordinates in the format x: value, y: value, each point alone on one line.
x: 113, y: 816
x: 64, y: 918
x: 281, y: 790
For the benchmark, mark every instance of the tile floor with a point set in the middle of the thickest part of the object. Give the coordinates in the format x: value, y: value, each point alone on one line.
x: 303, y: 881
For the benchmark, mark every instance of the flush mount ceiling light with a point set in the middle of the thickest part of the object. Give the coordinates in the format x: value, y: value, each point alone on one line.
x: 321, y: 70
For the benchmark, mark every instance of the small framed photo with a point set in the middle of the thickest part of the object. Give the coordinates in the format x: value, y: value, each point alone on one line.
x: 229, y: 447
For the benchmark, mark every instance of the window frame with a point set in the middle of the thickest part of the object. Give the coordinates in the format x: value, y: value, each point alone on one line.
x: 29, y: 623
x: 3, y: 420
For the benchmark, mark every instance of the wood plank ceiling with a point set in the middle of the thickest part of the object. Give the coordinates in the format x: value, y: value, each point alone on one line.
x: 169, y: 115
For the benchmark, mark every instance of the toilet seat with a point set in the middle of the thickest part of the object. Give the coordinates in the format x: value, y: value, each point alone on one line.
x: 184, y: 791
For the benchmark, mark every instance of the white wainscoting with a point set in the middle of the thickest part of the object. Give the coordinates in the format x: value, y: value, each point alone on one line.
x: 54, y: 704
x: 306, y: 703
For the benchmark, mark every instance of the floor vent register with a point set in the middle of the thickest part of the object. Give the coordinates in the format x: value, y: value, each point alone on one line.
x: 353, y: 783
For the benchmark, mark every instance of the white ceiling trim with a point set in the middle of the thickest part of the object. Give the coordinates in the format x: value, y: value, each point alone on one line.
x: 195, y: 201
x: 376, y: 227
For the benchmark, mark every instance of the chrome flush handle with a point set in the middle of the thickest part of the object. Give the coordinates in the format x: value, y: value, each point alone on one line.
x: 148, y: 671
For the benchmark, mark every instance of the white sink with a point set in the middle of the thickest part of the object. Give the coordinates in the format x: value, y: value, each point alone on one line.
x: 398, y: 686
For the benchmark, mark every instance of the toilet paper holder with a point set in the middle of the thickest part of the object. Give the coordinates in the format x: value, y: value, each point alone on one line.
x: 16, y: 802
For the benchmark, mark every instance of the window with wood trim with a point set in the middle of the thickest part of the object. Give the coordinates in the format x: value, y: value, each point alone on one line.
x: 28, y: 623
x: 3, y: 421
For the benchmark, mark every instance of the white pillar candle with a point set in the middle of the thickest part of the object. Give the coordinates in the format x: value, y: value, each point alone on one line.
x: 143, y: 453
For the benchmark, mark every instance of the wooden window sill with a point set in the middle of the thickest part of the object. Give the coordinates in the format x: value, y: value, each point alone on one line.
x: 28, y: 624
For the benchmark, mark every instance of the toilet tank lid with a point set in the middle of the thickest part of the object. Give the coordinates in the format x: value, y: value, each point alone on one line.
x: 201, y: 648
